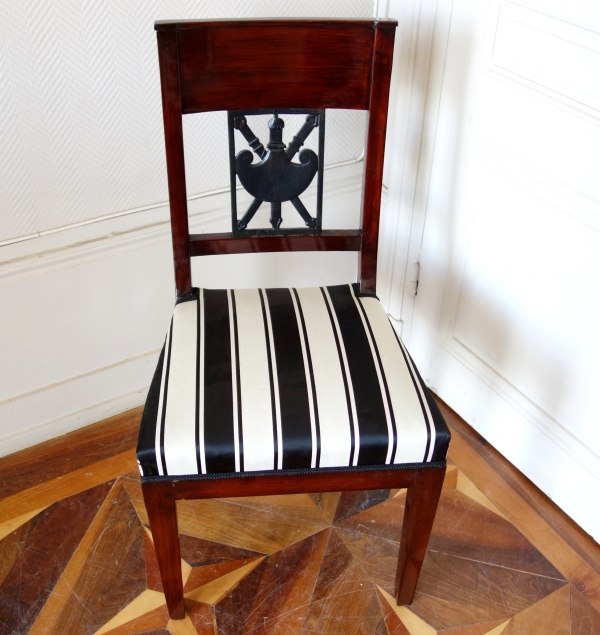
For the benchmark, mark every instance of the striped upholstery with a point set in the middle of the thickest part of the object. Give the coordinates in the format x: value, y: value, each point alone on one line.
x: 272, y: 379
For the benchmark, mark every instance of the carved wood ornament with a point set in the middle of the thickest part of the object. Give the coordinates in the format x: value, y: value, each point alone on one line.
x: 276, y: 178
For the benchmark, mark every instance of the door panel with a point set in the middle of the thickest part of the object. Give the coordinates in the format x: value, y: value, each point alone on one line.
x: 512, y: 241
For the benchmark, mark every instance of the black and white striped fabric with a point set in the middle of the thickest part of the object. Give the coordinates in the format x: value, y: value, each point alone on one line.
x: 276, y: 379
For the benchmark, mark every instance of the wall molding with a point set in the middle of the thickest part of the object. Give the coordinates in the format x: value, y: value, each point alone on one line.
x: 511, y: 427
x: 115, y: 234
x: 87, y: 387
x: 70, y: 404
x: 524, y: 404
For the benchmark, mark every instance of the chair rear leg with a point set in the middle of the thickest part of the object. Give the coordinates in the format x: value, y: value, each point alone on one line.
x: 162, y: 513
x: 421, y: 505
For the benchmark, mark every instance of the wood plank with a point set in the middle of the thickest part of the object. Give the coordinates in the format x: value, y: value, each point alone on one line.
x: 46, y: 546
x: 547, y: 509
x: 297, y: 64
x: 10, y: 525
x: 224, y: 243
x: 549, y: 616
x: 113, y: 573
x: 343, y: 601
x: 413, y: 623
x: 215, y: 590
x: 286, y: 587
x: 57, y: 457
x: 257, y: 530
x: 584, y: 619
x: 61, y: 487
x: 50, y: 614
x: 468, y: 488
x: 168, y: 60
x: 374, y: 153
x: 483, y: 465
x: 456, y: 593
x: 146, y: 602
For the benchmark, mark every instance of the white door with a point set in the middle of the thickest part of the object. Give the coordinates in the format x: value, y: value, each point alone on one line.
x: 507, y: 315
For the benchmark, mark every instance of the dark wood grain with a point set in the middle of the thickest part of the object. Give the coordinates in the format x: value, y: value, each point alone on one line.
x: 466, y: 529
x: 160, y: 505
x: 233, y: 610
x: 377, y: 557
x: 171, y: 105
x: 344, y: 601
x: 201, y: 616
x: 374, y: 153
x: 69, y: 452
x: 585, y: 620
x: 419, y: 514
x: 555, y: 517
x: 305, y: 483
x: 198, y: 552
x: 292, y: 64
x: 351, y: 503
x: 477, y: 592
x: 286, y: 585
x: 45, y: 546
x: 462, y: 528
x: 328, y: 240
x: 113, y: 572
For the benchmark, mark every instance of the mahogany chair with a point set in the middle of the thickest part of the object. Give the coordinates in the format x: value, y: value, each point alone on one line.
x: 280, y: 391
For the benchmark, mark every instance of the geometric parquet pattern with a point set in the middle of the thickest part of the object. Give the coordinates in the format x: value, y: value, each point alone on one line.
x: 76, y: 558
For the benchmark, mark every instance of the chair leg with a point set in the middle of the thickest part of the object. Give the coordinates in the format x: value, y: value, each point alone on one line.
x: 421, y: 505
x: 162, y: 513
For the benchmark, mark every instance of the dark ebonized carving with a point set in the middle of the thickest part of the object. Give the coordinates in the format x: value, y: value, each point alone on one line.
x: 276, y: 178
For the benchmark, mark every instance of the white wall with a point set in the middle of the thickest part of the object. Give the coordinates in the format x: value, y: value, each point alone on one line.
x: 80, y: 115
x: 84, y: 312
x: 86, y: 277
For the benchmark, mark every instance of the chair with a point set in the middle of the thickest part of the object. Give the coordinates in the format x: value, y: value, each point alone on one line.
x: 281, y: 391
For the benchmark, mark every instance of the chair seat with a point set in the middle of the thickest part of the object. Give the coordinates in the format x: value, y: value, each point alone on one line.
x: 275, y: 379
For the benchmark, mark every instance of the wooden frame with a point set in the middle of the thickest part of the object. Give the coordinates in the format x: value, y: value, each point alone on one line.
x: 249, y: 64
x: 243, y: 64
x: 424, y: 488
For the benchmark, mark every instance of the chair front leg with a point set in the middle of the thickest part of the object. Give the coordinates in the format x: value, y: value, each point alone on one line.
x: 421, y: 505
x: 162, y: 513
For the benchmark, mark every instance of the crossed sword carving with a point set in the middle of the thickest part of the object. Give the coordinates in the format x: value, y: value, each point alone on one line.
x: 240, y: 123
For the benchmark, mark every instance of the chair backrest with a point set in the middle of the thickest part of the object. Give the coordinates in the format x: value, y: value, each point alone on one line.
x: 239, y: 65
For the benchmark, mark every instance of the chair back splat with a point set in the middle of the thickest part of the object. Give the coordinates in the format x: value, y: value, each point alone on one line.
x: 276, y: 66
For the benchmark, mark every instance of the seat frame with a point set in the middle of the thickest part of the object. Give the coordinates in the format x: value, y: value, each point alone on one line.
x: 251, y: 64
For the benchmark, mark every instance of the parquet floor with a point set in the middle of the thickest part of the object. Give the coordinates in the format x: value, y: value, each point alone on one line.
x: 76, y: 554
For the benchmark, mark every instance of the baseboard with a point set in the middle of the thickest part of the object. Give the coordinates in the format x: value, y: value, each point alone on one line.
x: 77, y: 402
x: 86, y: 309
x: 507, y: 475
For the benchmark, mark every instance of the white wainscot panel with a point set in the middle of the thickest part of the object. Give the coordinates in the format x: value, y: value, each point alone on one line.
x: 541, y: 133
x: 514, y: 431
x: 585, y: 13
x: 530, y: 293
x: 549, y: 53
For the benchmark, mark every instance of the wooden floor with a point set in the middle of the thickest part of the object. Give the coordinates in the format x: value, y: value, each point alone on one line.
x: 76, y: 555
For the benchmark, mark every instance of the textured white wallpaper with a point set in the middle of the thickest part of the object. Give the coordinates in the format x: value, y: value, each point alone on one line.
x: 80, y: 116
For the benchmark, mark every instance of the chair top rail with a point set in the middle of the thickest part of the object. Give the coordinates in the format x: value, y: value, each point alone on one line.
x: 237, y: 65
